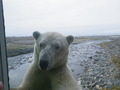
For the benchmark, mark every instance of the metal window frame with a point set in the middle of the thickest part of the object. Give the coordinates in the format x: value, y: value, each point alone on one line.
x: 3, y: 56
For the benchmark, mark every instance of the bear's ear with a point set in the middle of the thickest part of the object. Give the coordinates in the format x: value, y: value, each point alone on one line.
x: 70, y: 39
x: 36, y: 35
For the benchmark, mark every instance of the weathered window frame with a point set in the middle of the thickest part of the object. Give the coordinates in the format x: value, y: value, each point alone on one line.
x: 3, y: 56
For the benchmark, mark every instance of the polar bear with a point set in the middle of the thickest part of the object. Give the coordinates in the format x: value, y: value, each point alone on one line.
x: 49, y: 70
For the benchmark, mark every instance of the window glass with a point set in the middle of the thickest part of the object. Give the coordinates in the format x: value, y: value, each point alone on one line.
x: 95, y: 24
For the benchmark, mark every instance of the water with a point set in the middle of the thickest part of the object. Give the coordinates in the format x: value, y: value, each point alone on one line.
x: 16, y: 76
x: 17, y: 67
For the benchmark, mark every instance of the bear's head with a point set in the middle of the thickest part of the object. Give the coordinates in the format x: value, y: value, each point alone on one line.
x: 51, y: 49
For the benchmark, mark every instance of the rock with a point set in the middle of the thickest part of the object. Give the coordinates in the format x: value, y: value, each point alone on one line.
x: 98, y: 52
x: 90, y: 57
x: 96, y: 59
x: 117, y: 83
x: 23, y: 60
x: 10, y: 67
x: 95, y: 78
x: 30, y: 60
x: 74, y: 43
x: 21, y: 63
x: 94, y: 88
x: 78, y: 74
x: 31, y: 56
x: 98, y: 87
x: 79, y: 82
x: 86, y: 88
x: 109, y: 86
x: 72, y: 70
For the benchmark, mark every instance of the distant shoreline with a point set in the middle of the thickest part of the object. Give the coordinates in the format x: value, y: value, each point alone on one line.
x: 22, y: 45
x: 19, y: 45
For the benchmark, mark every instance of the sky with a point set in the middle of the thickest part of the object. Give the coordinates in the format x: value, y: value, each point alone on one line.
x: 75, y: 17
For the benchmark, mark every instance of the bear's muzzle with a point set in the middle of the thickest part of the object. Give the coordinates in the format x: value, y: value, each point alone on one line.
x: 44, y: 61
x: 44, y: 64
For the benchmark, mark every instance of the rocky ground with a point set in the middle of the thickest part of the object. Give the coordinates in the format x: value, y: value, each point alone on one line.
x: 94, y: 62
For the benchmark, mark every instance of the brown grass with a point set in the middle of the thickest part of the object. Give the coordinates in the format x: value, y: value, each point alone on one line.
x: 17, y: 46
x: 116, y: 60
x: 104, y: 43
x: 79, y: 39
x: 113, y: 88
x: 114, y: 57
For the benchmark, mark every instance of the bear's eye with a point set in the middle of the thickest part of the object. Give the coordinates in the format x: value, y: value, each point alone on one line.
x: 42, y: 45
x: 56, y: 47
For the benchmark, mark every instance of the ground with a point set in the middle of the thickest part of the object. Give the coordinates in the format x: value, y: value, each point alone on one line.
x: 94, y: 61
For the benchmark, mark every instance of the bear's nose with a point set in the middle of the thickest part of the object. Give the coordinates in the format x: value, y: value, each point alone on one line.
x: 43, y: 64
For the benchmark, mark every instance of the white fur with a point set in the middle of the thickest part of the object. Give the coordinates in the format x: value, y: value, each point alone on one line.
x: 57, y: 76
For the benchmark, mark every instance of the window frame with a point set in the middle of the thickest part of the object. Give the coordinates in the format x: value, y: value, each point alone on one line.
x: 3, y: 55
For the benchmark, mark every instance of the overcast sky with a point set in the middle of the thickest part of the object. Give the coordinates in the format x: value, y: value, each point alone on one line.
x: 77, y: 17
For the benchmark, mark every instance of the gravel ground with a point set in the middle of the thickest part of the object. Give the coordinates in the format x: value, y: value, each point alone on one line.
x: 90, y: 64
x: 98, y: 71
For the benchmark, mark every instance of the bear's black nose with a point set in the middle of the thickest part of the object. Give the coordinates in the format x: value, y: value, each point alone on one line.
x: 43, y: 64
